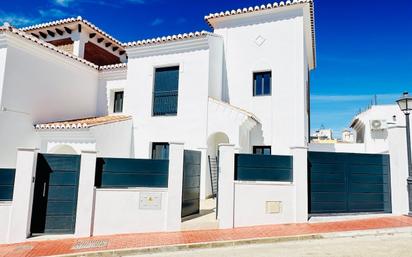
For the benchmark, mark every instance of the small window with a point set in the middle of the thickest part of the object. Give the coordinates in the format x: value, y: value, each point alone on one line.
x: 118, y: 102
x: 263, y: 150
x: 160, y: 151
x: 165, y: 93
x: 262, y: 83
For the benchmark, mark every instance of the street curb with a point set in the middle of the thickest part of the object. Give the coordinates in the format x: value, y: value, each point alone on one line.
x: 228, y: 243
x: 181, y: 247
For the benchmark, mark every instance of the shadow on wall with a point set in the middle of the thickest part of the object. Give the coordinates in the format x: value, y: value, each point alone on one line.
x: 225, y: 86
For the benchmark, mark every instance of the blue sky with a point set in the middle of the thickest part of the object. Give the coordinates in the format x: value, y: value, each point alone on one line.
x: 364, y: 47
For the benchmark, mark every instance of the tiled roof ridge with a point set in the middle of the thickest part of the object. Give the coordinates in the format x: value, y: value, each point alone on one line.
x: 82, y: 123
x: 113, y: 66
x: 254, y: 9
x: 8, y: 28
x: 71, y: 20
x: 169, y: 38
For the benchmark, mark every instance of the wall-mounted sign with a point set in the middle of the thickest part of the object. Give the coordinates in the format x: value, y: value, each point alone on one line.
x: 150, y: 200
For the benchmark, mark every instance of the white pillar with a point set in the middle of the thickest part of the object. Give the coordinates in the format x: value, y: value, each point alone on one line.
x: 226, y: 185
x: 20, y: 219
x: 85, y: 195
x: 300, y: 181
x: 205, y: 183
x: 175, y: 186
x: 79, y: 44
x: 398, y: 169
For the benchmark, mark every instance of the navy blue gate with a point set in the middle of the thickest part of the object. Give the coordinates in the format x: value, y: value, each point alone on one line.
x: 6, y: 184
x: 348, y: 183
x: 126, y: 172
x: 257, y: 167
x: 191, y: 183
x: 55, y: 194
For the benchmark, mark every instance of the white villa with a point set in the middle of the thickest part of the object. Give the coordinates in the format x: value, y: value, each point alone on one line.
x: 100, y: 137
x: 67, y: 86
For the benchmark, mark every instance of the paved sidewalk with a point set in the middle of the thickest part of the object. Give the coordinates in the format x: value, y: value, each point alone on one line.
x: 144, y: 240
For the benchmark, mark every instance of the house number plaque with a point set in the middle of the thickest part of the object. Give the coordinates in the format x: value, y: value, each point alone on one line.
x: 150, y: 201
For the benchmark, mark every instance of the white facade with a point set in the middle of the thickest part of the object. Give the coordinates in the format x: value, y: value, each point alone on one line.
x: 376, y: 140
x: 215, y: 88
x: 65, y: 104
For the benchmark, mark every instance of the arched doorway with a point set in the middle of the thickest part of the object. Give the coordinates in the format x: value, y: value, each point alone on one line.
x: 63, y: 149
x: 213, y: 143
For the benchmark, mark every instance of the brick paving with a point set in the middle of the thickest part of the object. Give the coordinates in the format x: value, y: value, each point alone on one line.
x: 127, y: 241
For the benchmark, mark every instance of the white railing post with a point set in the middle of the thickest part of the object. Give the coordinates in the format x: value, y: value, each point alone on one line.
x: 300, y: 181
x: 226, y: 185
x: 85, y: 195
x: 20, y: 219
x: 398, y: 169
x: 175, y: 186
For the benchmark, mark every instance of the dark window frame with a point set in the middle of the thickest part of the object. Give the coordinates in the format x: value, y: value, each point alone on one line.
x: 157, y: 94
x: 262, y: 148
x: 265, y: 90
x: 154, y: 149
x: 115, y: 109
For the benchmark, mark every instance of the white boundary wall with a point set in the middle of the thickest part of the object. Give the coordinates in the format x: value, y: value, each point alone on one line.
x: 243, y: 203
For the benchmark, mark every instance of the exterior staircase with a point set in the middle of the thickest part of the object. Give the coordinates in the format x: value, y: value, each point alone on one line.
x: 213, y: 168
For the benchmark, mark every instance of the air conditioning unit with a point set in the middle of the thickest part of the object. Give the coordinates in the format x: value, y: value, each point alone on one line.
x: 378, y: 124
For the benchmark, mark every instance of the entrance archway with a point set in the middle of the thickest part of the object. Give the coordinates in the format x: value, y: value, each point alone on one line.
x: 213, y: 143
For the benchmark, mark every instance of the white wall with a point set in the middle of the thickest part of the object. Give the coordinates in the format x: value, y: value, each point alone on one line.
x: 5, y: 212
x: 378, y: 141
x: 190, y: 123
x: 40, y: 86
x: 113, y: 139
x: 283, y: 113
x: 338, y: 148
x: 117, y: 211
x: 250, y: 203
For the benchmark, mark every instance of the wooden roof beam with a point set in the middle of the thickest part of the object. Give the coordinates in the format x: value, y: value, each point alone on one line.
x: 92, y: 35
x: 59, y: 31
x: 51, y: 33
x: 108, y: 44
x: 68, y: 30
x: 42, y: 34
x: 115, y: 48
x: 100, y: 39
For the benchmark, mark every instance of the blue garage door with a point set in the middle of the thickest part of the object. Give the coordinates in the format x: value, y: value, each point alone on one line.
x: 55, y: 194
x: 348, y: 183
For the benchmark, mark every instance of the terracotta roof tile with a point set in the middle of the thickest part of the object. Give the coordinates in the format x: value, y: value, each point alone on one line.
x: 82, y: 123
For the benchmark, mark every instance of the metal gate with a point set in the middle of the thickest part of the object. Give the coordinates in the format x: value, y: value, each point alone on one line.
x: 348, y: 183
x: 191, y: 183
x: 55, y: 194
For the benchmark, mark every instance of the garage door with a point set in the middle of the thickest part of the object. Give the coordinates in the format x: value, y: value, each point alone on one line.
x: 348, y: 183
x: 55, y: 194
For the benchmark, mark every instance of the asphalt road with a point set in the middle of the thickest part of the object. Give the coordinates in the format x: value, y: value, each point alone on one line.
x: 398, y: 245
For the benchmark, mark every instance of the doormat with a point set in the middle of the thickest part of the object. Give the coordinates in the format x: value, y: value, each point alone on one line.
x: 89, y: 244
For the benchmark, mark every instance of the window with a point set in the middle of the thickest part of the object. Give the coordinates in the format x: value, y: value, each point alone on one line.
x: 118, y: 102
x: 263, y: 150
x: 160, y: 151
x: 166, y: 83
x: 262, y: 83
